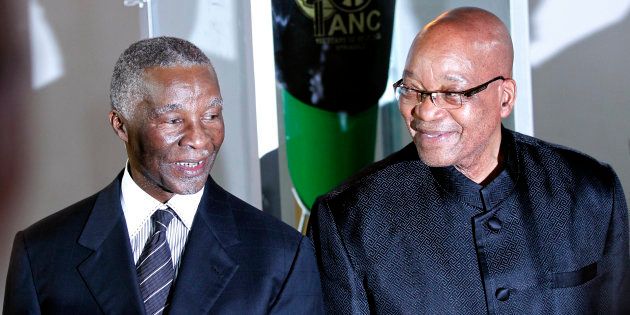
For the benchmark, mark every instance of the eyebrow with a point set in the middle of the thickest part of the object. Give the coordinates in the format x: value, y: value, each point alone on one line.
x: 165, y: 109
x: 214, y: 102
x: 448, y: 77
x: 455, y: 78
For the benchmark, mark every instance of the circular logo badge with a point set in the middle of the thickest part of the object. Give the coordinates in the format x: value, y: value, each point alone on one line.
x: 312, y: 8
x: 350, y: 5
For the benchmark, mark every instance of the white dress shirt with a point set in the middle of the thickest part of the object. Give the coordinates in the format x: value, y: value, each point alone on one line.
x: 138, y: 206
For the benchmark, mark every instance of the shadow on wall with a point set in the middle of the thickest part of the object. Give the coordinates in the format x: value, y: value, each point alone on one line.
x: 72, y: 150
x: 69, y: 150
x: 581, y: 76
x: 14, y: 87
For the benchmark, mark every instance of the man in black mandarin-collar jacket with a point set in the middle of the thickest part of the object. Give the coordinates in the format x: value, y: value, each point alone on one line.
x: 472, y: 218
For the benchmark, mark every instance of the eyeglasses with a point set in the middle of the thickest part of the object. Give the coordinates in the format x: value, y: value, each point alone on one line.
x: 442, y: 99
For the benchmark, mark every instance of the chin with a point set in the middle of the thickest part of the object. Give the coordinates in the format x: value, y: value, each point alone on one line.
x: 189, y: 191
x: 434, y: 159
x: 434, y: 163
x: 188, y: 187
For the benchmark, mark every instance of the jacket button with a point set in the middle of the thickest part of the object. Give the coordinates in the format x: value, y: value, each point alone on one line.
x: 502, y: 294
x: 494, y: 224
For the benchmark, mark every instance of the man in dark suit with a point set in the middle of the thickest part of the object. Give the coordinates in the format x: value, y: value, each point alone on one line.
x: 163, y: 237
x: 472, y: 218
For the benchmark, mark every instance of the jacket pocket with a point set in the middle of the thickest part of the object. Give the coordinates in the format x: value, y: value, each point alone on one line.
x: 573, y: 278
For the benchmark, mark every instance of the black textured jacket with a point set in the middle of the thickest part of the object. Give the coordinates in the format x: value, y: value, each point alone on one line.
x: 549, y: 235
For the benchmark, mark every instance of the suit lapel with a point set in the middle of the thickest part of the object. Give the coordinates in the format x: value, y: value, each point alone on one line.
x: 206, y: 266
x: 109, y: 271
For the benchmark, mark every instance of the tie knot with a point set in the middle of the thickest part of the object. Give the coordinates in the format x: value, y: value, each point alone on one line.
x: 161, y: 218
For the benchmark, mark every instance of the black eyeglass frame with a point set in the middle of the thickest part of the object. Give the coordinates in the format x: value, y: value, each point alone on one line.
x: 421, y: 95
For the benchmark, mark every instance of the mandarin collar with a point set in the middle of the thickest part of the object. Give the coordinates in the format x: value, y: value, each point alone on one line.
x: 482, y: 197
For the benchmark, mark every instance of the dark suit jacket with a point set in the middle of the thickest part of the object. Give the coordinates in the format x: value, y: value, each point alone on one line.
x: 237, y: 260
x: 548, y: 236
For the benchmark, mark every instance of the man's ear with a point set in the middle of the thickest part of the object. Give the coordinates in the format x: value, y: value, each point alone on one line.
x: 508, y: 97
x: 118, y: 123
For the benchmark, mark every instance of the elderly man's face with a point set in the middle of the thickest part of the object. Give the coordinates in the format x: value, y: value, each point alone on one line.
x: 469, y: 135
x: 174, y: 135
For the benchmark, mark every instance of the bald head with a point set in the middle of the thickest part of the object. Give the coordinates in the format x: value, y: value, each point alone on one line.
x: 477, y: 32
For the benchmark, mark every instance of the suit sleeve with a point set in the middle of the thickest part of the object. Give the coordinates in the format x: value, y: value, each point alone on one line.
x: 20, y: 296
x: 344, y: 292
x: 616, y: 258
x: 302, y: 290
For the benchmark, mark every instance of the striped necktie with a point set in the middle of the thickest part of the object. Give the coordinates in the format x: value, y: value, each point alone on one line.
x: 155, y: 266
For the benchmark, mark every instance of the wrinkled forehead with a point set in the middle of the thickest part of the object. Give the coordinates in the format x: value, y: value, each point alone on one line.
x: 195, y: 79
x: 179, y: 73
x: 173, y: 87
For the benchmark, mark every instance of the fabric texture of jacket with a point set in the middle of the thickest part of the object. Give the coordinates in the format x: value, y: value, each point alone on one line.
x: 549, y: 235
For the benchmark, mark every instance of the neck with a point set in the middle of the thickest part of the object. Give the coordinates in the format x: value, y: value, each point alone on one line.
x: 150, y: 188
x: 485, y: 167
x: 481, y: 176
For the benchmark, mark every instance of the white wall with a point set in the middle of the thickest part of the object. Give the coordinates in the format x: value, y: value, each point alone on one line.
x: 222, y: 29
x: 581, y: 78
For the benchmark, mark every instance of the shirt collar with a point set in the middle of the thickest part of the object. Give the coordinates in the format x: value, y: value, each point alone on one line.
x: 138, y: 206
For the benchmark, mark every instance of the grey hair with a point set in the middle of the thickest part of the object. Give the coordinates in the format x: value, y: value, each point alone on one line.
x: 128, y: 82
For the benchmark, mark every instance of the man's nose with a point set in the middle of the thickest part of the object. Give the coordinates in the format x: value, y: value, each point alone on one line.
x: 195, y: 135
x: 425, y: 110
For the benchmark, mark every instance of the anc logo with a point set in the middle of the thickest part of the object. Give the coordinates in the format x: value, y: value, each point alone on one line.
x: 326, y: 8
x: 342, y: 22
x: 350, y: 5
x: 316, y: 8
